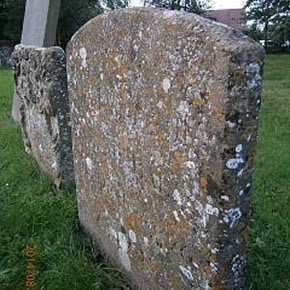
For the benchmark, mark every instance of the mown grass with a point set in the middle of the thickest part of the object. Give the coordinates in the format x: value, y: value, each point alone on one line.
x: 31, y: 214
x: 269, y: 245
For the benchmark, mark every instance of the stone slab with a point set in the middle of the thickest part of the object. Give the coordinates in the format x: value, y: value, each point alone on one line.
x: 39, y: 29
x: 41, y: 84
x: 40, y: 22
x: 165, y: 107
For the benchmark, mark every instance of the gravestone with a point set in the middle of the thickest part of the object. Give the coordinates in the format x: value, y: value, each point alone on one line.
x: 165, y: 108
x: 39, y: 29
x: 41, y: 84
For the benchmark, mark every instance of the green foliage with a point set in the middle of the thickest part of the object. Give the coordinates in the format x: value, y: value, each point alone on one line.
x: 75, y: 13
x: 32, y: 214
x: 11, y: 19
x: 254, y: 32
x: 193, y: 6
x: 116, y: 4
x: 272, y: 17
x: 269, y: 247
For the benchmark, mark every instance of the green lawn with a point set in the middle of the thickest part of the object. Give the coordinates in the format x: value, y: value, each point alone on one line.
x: 32, y: 214
x: 269, y: 248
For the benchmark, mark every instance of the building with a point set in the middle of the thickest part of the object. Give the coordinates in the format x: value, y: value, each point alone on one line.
x: 232, y: 17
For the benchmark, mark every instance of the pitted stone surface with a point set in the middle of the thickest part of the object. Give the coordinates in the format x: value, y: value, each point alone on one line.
x: 165, y: 108
x: 40, y: 81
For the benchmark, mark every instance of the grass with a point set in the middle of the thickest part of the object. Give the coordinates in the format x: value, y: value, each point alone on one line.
x: 31, y: 214
x: 269, y: 244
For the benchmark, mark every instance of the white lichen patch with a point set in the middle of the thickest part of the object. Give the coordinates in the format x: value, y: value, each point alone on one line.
x: 225, y: 198
x: 175, y: 213
x: 234, y: 163
x: 54, y: 165
x: 214, y: 268
x: 89, y: 163
x: 83, y: 55
x: 237, y: 265
x: 190, y: 165
x: 253, y: 71
x: 211, y: 210
x: 123, y: 251
x: 183, y: 109
x: 132, y: 236
x: 113, y: 233
x: 177, y: 197
x: 240, y: 173
x: 232, y: 215
x: 186, y: 272
x: 146, y: 241
x: 239, y: 148
x: 166, y: 84
x: 231, y: 124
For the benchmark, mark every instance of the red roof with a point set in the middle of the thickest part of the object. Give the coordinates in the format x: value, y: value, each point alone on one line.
x: 232, y: 17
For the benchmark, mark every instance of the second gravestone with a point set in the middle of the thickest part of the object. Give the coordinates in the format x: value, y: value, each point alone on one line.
x: 165, y: 108
x: 41, y: 85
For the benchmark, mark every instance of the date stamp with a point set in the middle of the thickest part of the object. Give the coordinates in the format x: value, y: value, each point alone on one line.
x: 30, y: 281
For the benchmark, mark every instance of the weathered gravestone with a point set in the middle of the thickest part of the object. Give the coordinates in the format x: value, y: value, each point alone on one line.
x: 41, y: 83
x: 39, y: 29
x: 165, y: 107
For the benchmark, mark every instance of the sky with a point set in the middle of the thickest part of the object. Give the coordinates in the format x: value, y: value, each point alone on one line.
x: 216, y: 4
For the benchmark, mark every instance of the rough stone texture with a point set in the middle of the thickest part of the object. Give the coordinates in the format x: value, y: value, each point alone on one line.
x: 5, y: 55
x: 165, y: 108
x: 39, y: 29
x: 40, y: 81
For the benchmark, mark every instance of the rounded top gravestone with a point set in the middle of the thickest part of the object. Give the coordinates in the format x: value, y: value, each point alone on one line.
x: 164, y: 108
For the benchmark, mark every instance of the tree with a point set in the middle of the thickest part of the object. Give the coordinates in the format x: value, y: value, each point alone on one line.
x: 75, y: 13
x: 11, y: 19
x: 271, y: 16
x: 193, y: 6
x: 116, y: 4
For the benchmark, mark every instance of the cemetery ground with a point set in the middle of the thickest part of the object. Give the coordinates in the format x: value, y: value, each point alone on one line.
x: 33, y: 215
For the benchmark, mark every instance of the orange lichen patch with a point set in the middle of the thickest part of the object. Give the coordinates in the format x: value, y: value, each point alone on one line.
x: 161, y: 137
x: 182, y: 227
x: 180, y: 80
x: 174, y: 281
x: 122, y: 70
x: 99, y: 207
x: 123, y: 91
x: 167, y: 100
x: 243, y: 231
x: 168, y: 26
x: 204, y: 250
x: 219, y: 287
x: 132, y: 222
x: 153, y: 264
x: 248, y: 131
x: 203, y: 182
x: 169, y: 225
x: 222, y: 269
x: 219, y: 114
x: 204, y: 270
x: 196, y: 102
x: 176, y: 162
x: 252, y: 156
